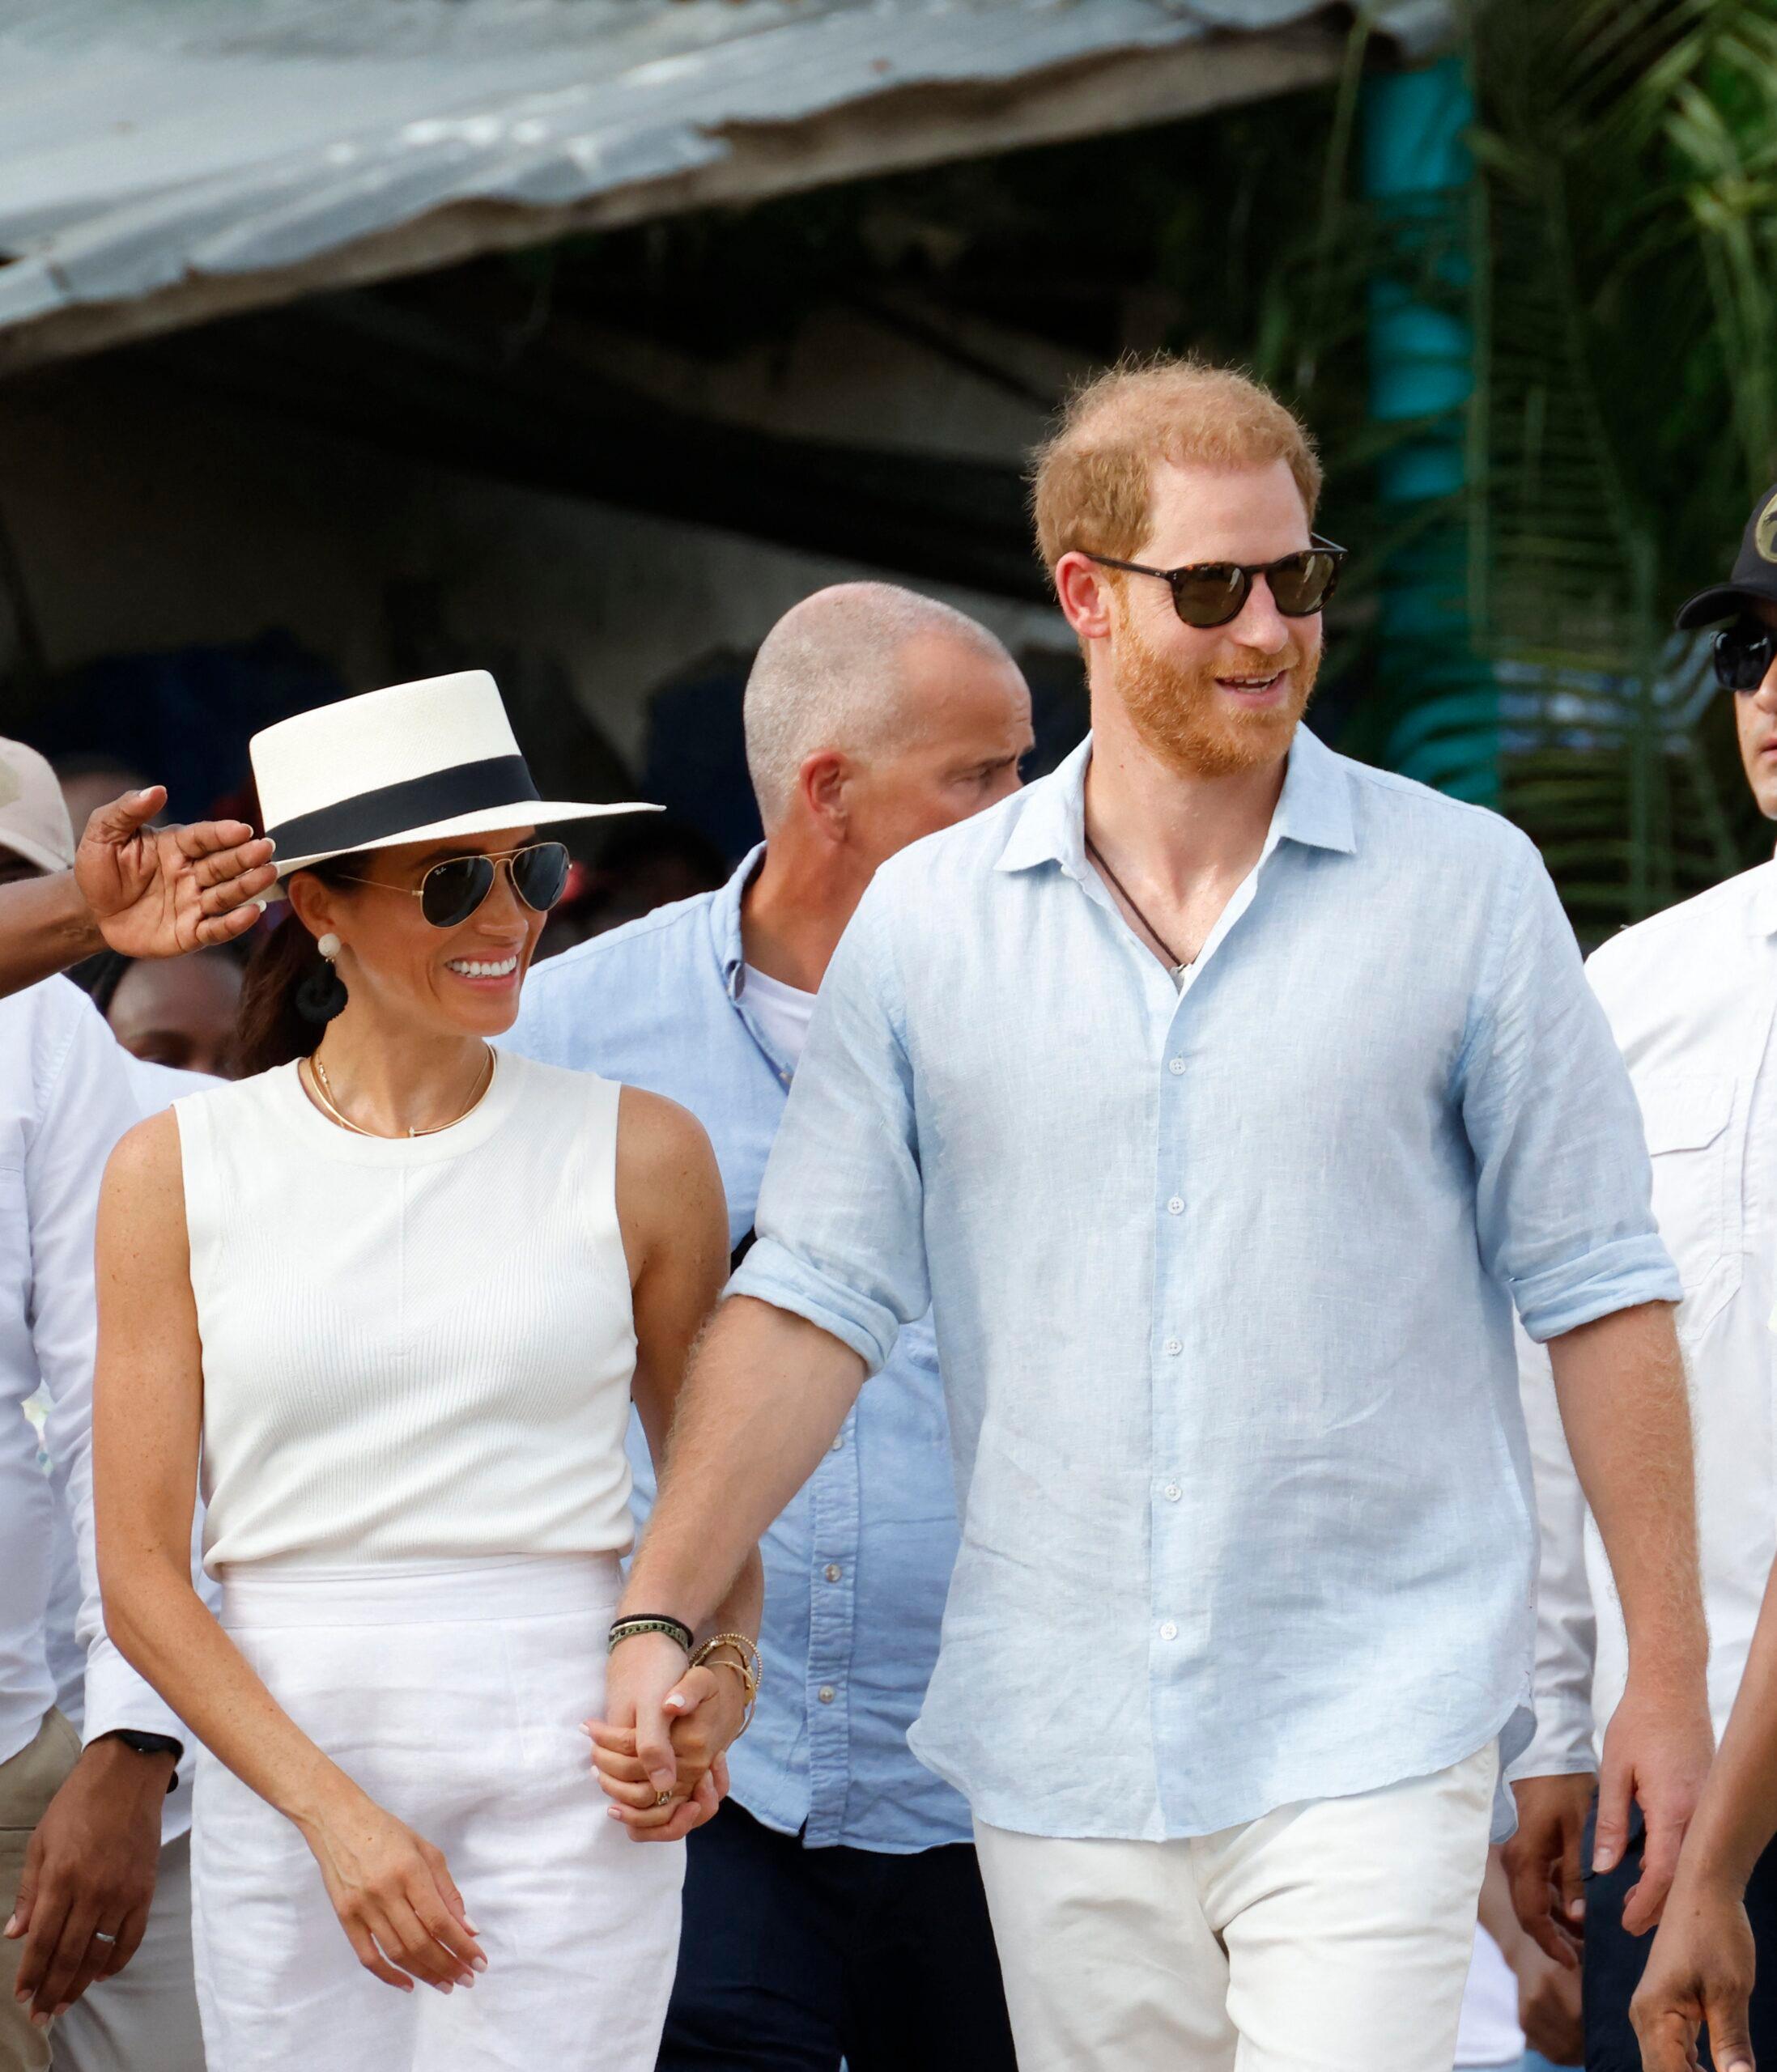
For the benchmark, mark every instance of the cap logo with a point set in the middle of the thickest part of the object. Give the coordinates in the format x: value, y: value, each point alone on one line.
x: 1765, y: 535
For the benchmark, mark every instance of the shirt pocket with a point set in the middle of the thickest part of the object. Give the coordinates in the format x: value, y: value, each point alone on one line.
x: 1696, y: 1199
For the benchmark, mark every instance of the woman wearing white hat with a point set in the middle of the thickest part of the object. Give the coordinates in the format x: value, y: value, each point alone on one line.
x: 400, y: 1289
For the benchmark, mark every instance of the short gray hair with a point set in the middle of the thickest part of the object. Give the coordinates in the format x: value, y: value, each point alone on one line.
x: 828, y: 675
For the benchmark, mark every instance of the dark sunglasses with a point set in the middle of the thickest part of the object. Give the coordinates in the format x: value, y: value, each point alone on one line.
x: 451, y: 891
x: 1742, y: 654
x: 1212, y: 593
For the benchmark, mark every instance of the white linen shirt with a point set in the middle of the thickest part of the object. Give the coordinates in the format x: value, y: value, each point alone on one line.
x: 1223, y: 1278
x: 1690, y: 995
x: 65, y: 1097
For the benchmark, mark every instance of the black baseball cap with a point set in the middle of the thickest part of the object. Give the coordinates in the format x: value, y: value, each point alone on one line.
x: 1755, y: 572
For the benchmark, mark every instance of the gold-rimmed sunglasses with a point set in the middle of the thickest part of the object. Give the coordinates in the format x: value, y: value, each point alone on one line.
x: 451, y: 891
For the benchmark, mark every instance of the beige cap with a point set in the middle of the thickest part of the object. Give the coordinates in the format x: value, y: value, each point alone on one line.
x: 34, y: 821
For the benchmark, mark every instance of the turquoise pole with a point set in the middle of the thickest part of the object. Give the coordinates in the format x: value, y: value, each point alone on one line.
x: 1417, y: 168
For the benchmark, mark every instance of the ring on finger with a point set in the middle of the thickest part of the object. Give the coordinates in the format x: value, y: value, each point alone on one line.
x: 663, y: 1798
x: 99, y: 1935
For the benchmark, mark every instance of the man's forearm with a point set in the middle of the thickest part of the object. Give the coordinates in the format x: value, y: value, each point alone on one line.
x: 1621, y: 1385
x: 45, y: 925
x: 765, y: 1394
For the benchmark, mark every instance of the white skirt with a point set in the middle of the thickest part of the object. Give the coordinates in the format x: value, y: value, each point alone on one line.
x: 452, y: 1692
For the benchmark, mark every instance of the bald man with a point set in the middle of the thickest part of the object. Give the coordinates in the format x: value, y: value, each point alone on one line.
x: 833, y: 1907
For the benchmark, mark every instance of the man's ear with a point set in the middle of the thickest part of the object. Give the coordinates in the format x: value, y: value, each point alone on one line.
x: 821, y: 781
x: 1083, y: 590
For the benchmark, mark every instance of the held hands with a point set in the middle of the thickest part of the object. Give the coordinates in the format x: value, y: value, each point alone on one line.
x: 394, y: 1896
x: 1700, y: 1970
x: 161, y: 891
x: 666, y: 1729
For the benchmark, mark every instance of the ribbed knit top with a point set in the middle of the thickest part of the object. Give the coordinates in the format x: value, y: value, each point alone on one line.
x: 413, y: 1347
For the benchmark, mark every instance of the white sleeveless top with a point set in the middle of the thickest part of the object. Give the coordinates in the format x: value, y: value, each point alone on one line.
x: 413, y: 1347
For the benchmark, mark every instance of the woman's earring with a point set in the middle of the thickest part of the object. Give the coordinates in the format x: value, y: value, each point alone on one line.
x: 322, y: 994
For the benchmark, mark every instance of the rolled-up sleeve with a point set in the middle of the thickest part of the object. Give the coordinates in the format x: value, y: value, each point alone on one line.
x: 1563, y: 1185
x: 840, y: 1219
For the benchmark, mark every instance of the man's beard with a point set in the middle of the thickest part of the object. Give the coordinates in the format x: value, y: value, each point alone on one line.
x: 1186, y: 723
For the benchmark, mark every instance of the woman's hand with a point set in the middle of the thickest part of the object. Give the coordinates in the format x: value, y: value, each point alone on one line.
x: 700, y: 1716
x: 1699, y: 1970
x: 394, y: 1897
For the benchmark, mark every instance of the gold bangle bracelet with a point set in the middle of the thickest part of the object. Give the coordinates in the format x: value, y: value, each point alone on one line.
x: 749, y: 1668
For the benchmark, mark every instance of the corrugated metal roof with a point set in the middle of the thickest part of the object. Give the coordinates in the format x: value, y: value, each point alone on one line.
x: 265, y: 147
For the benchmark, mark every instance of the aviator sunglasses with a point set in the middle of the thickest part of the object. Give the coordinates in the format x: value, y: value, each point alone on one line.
x: 1742, y: 654
x: 1212, y: 593
x: 451, y: 891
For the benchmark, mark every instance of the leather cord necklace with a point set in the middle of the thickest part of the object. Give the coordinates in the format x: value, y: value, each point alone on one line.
x: 1178, y: 966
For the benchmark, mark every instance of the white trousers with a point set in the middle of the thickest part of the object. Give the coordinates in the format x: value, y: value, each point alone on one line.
x: 146, y: 2018
x: 453, y: 1695
x: 1329, y: 1936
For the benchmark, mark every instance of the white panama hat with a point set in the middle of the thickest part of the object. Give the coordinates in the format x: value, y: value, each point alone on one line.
x: 415, y: 762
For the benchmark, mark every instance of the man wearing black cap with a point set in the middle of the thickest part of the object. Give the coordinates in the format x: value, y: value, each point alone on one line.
x: 1691, y: 996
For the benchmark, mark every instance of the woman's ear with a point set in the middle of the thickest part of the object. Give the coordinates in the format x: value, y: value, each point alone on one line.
x: 314, y: 904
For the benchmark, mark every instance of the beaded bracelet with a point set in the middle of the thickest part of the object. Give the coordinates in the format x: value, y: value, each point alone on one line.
x: 629, y: 1629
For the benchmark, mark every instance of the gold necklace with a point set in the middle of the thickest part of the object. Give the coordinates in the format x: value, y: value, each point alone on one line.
x: 323, y: 1087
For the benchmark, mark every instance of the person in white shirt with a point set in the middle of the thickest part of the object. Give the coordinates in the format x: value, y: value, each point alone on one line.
x: 80, y: 1834
x: 1691, y: 996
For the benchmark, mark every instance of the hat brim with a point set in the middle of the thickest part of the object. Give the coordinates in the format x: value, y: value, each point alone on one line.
x: 50, y: 860
x: 1722, y: 601
x: 487, y: 819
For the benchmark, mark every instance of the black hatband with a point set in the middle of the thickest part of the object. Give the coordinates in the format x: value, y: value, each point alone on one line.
x: 371, y: 817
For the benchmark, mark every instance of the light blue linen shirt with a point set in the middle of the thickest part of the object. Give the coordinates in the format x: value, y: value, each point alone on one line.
x: 1223, y: 1279
x: 856, y: 1568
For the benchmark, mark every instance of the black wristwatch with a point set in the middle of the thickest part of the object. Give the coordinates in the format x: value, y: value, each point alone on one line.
x: 149, y: 1744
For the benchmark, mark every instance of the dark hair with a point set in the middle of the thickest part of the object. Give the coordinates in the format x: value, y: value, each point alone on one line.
x: 270, y: 1026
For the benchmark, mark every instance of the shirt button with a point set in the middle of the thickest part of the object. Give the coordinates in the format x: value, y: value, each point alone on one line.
x: 826, y: 1694
x: 1168, y: 1630
x: 1175, y: 1065
x: 1176, y: 1206
x: 834, y: 1572
x: 1175, y: 1347
x: 1172, y: 1492
x: 839, y: 1444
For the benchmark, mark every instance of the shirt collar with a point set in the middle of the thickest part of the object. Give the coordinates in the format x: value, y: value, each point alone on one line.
x: 725, y: 922
x: 1314, y: 808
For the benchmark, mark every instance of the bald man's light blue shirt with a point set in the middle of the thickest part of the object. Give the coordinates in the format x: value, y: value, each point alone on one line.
x: 1223, y: 1279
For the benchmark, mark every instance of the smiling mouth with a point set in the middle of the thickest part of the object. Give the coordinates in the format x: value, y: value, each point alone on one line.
x: 468, y: 967
x: 1252, y: 687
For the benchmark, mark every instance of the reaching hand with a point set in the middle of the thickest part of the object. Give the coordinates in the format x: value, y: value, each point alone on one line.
x: 161, y: 891
x: 1542, y: 1862
x: 1700, y: 1970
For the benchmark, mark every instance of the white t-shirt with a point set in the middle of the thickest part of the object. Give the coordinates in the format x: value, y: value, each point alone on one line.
x: 783, y: 1013
x: 1489, y: 2033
